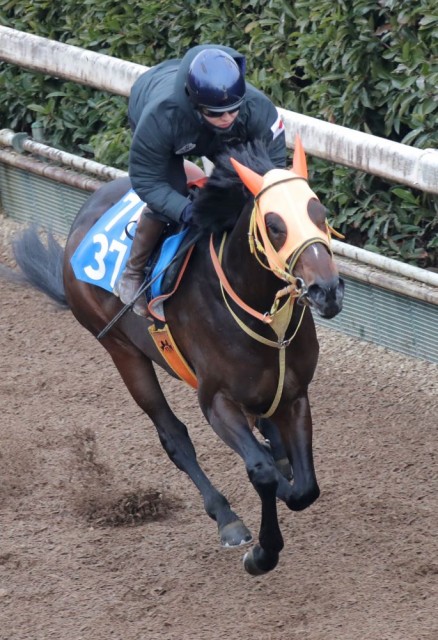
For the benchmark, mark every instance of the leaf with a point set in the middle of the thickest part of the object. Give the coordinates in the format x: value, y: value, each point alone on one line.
x: 37, y: 107
x: 406, y: 195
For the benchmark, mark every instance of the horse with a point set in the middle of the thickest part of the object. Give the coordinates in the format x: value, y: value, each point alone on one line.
x: 241, y: 317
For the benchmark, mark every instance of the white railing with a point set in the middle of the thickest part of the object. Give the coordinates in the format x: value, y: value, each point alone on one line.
x: 397, y: 162
x: 391, y: 160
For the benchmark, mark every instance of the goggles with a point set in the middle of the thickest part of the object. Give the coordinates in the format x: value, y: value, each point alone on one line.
x: 217, y: 114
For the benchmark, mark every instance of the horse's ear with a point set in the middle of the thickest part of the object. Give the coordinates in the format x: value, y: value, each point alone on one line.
x: 299, y: 164
x: 252, y: 180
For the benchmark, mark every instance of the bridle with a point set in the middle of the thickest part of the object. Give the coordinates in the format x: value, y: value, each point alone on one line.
x: 269, y: 258
x: 283, y: 265
x: 279, y: 316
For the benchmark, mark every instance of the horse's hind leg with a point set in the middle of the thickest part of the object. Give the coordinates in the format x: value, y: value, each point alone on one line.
x: 140, y: 378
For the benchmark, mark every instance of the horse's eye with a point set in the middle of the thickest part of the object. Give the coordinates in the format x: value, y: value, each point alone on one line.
x: 317, y: 212
x: 274, y: 223
x: 277, y: 230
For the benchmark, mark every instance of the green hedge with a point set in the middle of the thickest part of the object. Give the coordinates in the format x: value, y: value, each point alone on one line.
x: 365, y: 65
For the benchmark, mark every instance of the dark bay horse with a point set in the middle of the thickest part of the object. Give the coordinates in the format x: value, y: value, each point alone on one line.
x: 241, y: 317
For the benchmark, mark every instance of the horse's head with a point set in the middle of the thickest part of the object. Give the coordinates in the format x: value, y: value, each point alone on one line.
x: 290, y: 229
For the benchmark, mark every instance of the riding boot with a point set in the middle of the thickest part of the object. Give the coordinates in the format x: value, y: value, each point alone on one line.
x: 145, y: 240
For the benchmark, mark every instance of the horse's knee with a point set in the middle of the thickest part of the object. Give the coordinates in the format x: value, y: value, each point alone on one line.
x: 303, y: 497
x: 263, y: 475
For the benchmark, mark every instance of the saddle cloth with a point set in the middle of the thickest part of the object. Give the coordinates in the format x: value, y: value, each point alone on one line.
x: 102, y: 255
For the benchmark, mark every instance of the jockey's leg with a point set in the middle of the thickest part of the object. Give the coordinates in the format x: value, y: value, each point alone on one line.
x: 149, y: 231
x: 150, y: 227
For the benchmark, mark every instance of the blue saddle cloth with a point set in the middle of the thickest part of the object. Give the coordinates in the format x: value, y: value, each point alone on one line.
x: 102, y: 255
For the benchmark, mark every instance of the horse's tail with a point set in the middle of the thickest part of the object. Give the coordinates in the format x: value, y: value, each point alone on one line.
x: 41, y: 265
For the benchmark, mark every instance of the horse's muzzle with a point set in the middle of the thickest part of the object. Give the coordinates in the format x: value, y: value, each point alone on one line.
x: 326, y: 298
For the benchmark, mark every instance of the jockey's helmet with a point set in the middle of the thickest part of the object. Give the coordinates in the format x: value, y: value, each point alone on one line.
x: 216, y: 81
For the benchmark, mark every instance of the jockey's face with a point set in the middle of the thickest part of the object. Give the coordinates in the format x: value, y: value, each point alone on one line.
x: 224, y: 120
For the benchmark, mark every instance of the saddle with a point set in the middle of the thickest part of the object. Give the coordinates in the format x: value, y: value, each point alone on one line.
x: 168, y: 265
x: 166, y: 268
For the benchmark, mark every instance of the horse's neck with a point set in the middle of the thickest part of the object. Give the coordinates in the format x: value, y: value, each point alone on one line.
x: 251, y: 281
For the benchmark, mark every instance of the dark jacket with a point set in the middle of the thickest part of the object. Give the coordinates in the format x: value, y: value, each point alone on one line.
x: 168, y: 126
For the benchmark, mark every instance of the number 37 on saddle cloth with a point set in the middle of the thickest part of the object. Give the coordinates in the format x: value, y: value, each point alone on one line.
x: 102, y: 256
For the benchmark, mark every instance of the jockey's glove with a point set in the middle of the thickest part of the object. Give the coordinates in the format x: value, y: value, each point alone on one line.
x: 187, y: 213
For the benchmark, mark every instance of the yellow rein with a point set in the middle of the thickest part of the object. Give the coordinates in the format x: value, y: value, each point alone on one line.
x: 278, y: 318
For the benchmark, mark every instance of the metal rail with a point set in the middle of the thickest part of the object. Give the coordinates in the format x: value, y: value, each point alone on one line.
x: 21, y: 142
x: 390, y: 160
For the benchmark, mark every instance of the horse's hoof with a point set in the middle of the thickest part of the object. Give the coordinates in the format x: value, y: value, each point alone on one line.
x: 235, y: 534
x: 250, y: 564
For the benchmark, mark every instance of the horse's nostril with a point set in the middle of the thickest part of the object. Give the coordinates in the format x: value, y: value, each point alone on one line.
x: 327, y: 289
x: 315, y: 291
x: 327, y: 298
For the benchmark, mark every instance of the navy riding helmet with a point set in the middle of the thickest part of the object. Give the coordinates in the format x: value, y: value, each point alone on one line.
x: 216, y: 81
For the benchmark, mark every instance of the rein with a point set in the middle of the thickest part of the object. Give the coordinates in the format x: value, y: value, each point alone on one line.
x: 146, y: 285
x: 278, y: 318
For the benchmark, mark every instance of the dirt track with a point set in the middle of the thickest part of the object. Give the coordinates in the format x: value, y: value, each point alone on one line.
x: 80, y: 465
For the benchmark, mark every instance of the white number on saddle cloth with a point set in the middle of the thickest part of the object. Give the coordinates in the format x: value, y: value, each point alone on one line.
x: 104, y: 251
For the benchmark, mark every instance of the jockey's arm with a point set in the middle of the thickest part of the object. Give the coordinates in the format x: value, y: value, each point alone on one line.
x: 149, y: 157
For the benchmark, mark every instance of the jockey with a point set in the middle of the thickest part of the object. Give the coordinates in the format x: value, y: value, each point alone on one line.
x: 196, y: 106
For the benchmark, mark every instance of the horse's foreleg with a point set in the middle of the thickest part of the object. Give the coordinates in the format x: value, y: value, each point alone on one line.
x: 270, y: 432
x: 295, y: 425
x: 140, y: 378
x: 232, y: 427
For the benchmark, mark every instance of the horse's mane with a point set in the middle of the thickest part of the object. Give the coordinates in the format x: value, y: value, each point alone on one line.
x: 218, y: 205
